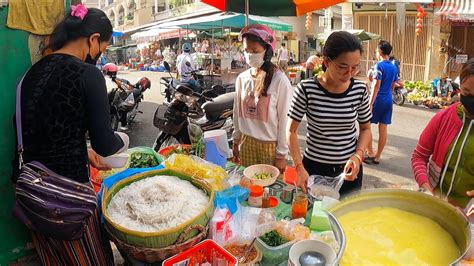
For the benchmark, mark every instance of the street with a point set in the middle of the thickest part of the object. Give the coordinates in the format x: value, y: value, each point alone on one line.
x: 394, y: 170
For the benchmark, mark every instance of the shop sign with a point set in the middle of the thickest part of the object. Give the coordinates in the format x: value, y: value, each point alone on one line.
x: 461, y: 58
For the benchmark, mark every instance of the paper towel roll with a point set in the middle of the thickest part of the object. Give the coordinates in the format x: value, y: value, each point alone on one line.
x: 219, y: 137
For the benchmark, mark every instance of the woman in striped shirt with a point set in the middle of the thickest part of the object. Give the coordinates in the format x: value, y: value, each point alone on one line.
x: 333, y: 103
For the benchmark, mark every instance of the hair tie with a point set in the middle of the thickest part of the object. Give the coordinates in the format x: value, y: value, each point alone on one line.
x: 79, y: 11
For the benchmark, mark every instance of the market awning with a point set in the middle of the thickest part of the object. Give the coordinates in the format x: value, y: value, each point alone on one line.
x: 157, y: 34
x: 227, y: 20
x: 457, y: 9
x: 392, y: 1
x: 361, y: 34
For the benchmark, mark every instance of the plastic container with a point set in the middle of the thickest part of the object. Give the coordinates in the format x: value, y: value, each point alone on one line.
x: 206, y: 249
x: 253, y: 262
x: 256, y: 196
x: 117, y: 160
x: 272, y: 255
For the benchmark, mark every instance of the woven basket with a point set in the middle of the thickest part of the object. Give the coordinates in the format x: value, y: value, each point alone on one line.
x: 153, y: 255
x: 163, y: 238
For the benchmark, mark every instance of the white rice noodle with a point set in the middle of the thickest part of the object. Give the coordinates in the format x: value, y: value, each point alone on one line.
x: 156, y: 203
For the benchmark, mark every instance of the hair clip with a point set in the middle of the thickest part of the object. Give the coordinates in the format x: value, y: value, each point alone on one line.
x: 79, y: 11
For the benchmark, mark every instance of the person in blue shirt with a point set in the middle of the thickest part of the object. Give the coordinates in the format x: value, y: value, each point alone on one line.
x: 386, y: 74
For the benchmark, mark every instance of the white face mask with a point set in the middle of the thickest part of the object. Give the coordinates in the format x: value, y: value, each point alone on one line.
x: 254, y: 60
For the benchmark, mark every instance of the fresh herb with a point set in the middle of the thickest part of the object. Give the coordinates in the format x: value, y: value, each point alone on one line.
x: 273, y: 239
x: 142, y: 160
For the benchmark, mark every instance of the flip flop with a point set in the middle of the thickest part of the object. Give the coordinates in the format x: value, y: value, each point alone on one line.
x: 369, y: 160
x: 375, y: 161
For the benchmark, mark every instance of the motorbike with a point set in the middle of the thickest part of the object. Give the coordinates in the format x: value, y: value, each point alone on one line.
x: 125, y: 99
x: 399, y: 93
x: 170, y: 84
x: 174, y: 120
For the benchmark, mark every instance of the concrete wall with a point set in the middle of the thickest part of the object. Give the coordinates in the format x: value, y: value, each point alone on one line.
x: 15, y: 240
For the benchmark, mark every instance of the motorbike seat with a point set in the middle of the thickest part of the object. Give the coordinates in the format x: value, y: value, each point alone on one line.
x: 221, y: 104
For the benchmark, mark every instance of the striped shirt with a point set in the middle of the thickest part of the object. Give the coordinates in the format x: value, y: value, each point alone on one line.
x: 332, y: 133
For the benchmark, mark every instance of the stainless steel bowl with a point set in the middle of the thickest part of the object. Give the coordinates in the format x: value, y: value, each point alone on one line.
x: 446, y: 215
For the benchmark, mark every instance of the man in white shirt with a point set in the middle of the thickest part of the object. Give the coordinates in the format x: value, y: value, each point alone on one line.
x: 185, y: 66
x: 282, y: 58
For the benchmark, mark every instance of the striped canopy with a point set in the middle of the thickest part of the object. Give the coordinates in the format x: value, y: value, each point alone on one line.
x: 273, y: 7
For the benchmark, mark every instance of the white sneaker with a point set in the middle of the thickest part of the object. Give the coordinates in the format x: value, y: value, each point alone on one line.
x: 123, y: 128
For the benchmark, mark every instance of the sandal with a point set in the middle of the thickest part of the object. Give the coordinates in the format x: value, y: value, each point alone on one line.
x: 370, y: 160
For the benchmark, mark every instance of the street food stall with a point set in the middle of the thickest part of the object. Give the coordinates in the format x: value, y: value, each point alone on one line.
x: 183, y: 208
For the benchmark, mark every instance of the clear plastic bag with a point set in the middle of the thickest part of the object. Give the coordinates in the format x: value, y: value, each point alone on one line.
x: 144, y: 157
x: 199, y: 168
x: 321, y: 186
x: 332, y: 182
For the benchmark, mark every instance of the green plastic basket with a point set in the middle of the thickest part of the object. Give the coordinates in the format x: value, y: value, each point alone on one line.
x: 165, y: 237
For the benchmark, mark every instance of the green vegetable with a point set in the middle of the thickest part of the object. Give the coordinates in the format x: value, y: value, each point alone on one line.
x: 142, y: 160
x: 262, y: 176
x: 273, y: 239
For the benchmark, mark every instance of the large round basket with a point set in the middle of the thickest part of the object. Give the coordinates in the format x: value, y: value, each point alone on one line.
x: 165, y: 237
x: 153, y: 255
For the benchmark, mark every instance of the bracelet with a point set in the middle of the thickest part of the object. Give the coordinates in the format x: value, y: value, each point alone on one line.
x: 358, y: 158
x: 298, y: 164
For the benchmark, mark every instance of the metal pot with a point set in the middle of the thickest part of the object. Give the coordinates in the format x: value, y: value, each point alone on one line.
x: 446, y: 215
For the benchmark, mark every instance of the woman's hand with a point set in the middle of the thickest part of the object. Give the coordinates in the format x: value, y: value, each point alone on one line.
x: 96, y: 161
x: 280, y: 163
x: 303, y: 177
x: 352, y: 168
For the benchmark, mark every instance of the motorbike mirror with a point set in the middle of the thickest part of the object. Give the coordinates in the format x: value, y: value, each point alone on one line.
x: 184, y: 90
x: 167, y: 66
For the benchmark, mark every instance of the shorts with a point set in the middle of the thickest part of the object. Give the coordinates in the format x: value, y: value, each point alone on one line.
x: 382, y: 111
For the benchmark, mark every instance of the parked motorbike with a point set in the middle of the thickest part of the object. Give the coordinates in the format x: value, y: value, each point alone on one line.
x: 399, y: 93
x: 170, y: 84
x: 173, y: 119
x: 125, y: 99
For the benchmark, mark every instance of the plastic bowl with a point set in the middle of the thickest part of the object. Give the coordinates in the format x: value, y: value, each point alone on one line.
x: 117, y: 160
x: 250, y: 171
x: 311, y: 245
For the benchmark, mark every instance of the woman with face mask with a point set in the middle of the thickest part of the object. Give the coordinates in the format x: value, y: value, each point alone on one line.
x: 263, y: 95
x: 333, y: 103
x: 443, y: 161
x: 64, y: 97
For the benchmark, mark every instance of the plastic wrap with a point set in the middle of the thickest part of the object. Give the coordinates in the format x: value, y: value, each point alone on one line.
x: 199, y: 168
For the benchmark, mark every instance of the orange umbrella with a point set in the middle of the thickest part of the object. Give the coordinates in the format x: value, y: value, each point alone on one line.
x: 272, y: 7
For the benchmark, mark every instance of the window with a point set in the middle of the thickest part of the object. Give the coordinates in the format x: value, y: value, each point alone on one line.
x: 132, y: 6
x: 161, y: 7
x: 121, y: 15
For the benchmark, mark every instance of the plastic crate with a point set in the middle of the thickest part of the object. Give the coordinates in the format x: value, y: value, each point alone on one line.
x: 206, y: 249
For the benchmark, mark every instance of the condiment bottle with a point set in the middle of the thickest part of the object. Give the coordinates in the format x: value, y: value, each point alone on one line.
x: 266, y: 198
x: 256, y: 196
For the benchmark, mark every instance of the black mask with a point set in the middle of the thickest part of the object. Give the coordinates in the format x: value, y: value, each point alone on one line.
x: 89, y: 59
x: 468, y: 103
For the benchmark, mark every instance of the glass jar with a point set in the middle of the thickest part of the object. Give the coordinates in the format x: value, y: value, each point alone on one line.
x: 299, y: 207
